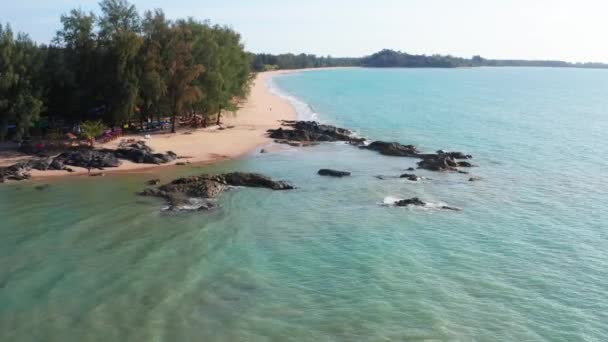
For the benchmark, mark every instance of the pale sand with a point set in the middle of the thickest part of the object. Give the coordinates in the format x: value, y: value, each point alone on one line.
x: 263, y: 110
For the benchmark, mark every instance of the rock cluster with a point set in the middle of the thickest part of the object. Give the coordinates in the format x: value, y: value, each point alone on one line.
x: 142, y: 154
x: 181, y: 192
x: 88, y: 159
x: 311, y: 131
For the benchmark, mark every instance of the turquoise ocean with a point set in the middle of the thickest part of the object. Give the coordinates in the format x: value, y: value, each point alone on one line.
x: 526, y: 259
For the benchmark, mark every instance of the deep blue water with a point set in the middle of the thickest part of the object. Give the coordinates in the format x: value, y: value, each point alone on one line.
x: 526, y: 259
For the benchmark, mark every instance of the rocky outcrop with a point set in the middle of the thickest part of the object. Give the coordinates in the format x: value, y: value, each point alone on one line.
x: 312, y: 131
x: 142, y: 154
x: 444, y: 161
x: 455, y: 155
x: 17, y: 172
x: 392, y: 149
x: 415, y: 201
x: 21, y: 171
x: 181, y: 192
x: 435, y: 162
x: 440, y: 161
x: 333, y: 173
x: 89, y: 159
x: 410, y: 201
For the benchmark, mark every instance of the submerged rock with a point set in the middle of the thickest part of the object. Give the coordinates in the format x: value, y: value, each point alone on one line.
x: 42, y: 187
x: 311, y: 131
x: 155, y: 181
x: 410, y: 177
x: 333, y: 173
x: 415, y: 201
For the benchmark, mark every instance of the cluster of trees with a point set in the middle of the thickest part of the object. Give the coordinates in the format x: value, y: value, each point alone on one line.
x: 397, y: 59
x: 265, y: 62
x: 119, y: 66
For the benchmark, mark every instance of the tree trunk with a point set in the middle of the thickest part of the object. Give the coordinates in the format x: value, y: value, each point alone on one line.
x: 173, y: 123
x: 219, y: 115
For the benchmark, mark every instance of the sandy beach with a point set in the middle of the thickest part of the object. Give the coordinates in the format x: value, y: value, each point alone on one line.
x: 261, y: 111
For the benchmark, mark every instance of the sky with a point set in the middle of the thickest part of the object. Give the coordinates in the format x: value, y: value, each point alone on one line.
x: 574, y: 31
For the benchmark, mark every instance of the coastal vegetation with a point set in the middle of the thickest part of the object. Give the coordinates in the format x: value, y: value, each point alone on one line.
x: 397, y: 59
x: 120, y: 67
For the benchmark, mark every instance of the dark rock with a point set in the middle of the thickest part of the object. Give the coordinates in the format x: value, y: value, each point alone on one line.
x: 89, y: 159
x: 180, y: 164
x: 410, y: 177
x: 410, y: 201
x: 180, y: 192
x: 262, y: 151
x: 392, y: 149
x: 455, y: 155
x: 463, y: 172
x: 437, y: 162
x: 42, y: 164
x: 311, y: 131
x: 69, y: 169
x: 153, y: 181
x: 252, y: 180
x: 195, y: 186
x: 415, y: 201
x: 464, y: 164
x: 142, y: 154
x: 410, y: 169
x: 445, y: 207
x: 474, y: 179
x: 97, y: 174
x: 333, y: 173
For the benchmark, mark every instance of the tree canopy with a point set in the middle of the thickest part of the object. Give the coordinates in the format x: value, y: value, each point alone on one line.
x: 119, y: 66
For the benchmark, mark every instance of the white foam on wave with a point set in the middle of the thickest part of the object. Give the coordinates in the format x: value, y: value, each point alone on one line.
x: 192, y: 205
x: 390, y: 200
x: 303, y: 109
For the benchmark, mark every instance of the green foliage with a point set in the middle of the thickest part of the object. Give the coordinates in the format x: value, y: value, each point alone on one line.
x: 115, y: 64
x: 92, y: 129
x: 20, y: 89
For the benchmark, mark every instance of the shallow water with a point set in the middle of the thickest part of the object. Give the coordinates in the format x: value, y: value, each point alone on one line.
x: 526, y: 259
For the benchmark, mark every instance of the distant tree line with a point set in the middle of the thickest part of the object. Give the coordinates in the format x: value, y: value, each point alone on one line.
x: 119, y: 67
x: 265, y: 62
x: 396, y: 59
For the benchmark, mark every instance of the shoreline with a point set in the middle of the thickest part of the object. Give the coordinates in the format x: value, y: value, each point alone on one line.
x: 263, y: 110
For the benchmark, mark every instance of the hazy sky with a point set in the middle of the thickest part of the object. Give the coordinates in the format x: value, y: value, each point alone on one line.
x: 532, y: 29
